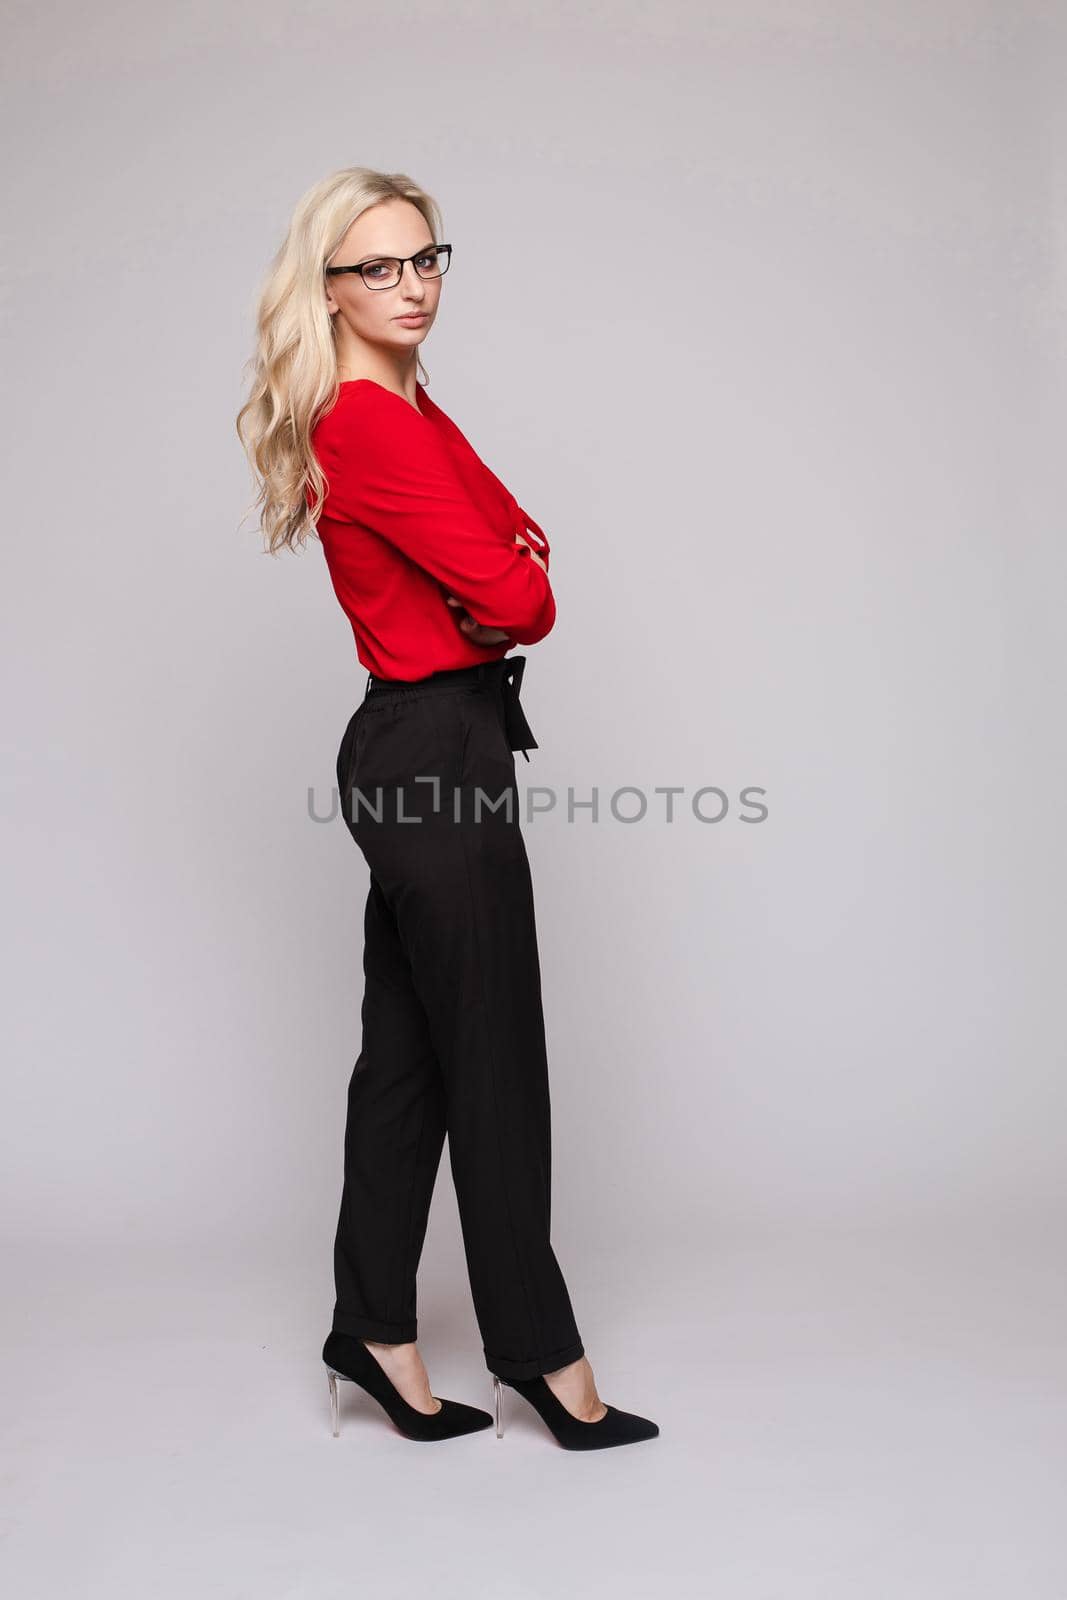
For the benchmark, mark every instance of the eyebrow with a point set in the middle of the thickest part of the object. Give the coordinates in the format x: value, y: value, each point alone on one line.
x: 381, y: 255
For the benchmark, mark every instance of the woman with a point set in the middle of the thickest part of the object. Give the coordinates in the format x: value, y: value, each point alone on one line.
x: 432, y: 561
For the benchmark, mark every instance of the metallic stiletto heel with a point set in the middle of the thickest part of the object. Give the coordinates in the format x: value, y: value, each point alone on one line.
x: 335, y: 1409
x: 498, y: 1396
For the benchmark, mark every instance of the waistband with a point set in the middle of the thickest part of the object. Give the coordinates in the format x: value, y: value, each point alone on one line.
x: 501, y: 677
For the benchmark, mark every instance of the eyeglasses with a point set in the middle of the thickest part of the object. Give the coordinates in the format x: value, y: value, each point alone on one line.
x: 385, y: 271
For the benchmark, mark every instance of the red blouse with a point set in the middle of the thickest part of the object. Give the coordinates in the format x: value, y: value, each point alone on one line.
x: 411, y: 515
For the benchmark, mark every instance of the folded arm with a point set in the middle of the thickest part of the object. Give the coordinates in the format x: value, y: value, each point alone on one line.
x: 388, y: 470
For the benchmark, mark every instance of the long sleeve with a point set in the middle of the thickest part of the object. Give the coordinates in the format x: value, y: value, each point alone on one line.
x: 389, y: 470
x: 524, y: 523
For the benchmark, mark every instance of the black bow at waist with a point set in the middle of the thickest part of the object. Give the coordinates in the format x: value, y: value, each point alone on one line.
x: 518, y: 730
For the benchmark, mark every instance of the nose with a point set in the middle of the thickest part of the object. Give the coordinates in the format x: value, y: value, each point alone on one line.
x: 409, y: 277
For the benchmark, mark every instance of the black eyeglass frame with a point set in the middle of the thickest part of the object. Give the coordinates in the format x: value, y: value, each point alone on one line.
x: 403, y: 261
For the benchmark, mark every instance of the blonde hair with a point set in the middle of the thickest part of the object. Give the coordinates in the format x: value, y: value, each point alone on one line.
x: 294, y: 370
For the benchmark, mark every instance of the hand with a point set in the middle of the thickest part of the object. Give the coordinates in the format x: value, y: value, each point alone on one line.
x: 533, y: 553
x: 477, y: 632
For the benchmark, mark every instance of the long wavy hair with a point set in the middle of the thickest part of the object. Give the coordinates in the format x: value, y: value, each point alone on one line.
x: 293, y: 377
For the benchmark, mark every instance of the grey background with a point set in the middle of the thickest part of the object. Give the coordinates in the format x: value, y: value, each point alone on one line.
x: 758, y: 309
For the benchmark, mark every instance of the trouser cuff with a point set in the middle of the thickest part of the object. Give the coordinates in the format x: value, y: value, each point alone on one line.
x: 382, y: 1332
x: 534, y: 1366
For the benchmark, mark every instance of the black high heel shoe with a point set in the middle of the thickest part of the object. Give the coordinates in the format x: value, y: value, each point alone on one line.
x: 614, y: 1427
x: 348, y: 1357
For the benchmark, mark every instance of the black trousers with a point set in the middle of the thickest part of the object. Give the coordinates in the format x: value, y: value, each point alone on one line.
x: 453, y: 1036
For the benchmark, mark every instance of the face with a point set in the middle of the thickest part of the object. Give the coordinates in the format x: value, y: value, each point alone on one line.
x: 371, y: 317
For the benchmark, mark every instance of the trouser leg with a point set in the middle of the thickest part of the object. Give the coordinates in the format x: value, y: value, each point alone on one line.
x: 499, y: 1112
x: 393, y: 1140
x: 462, y: 897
